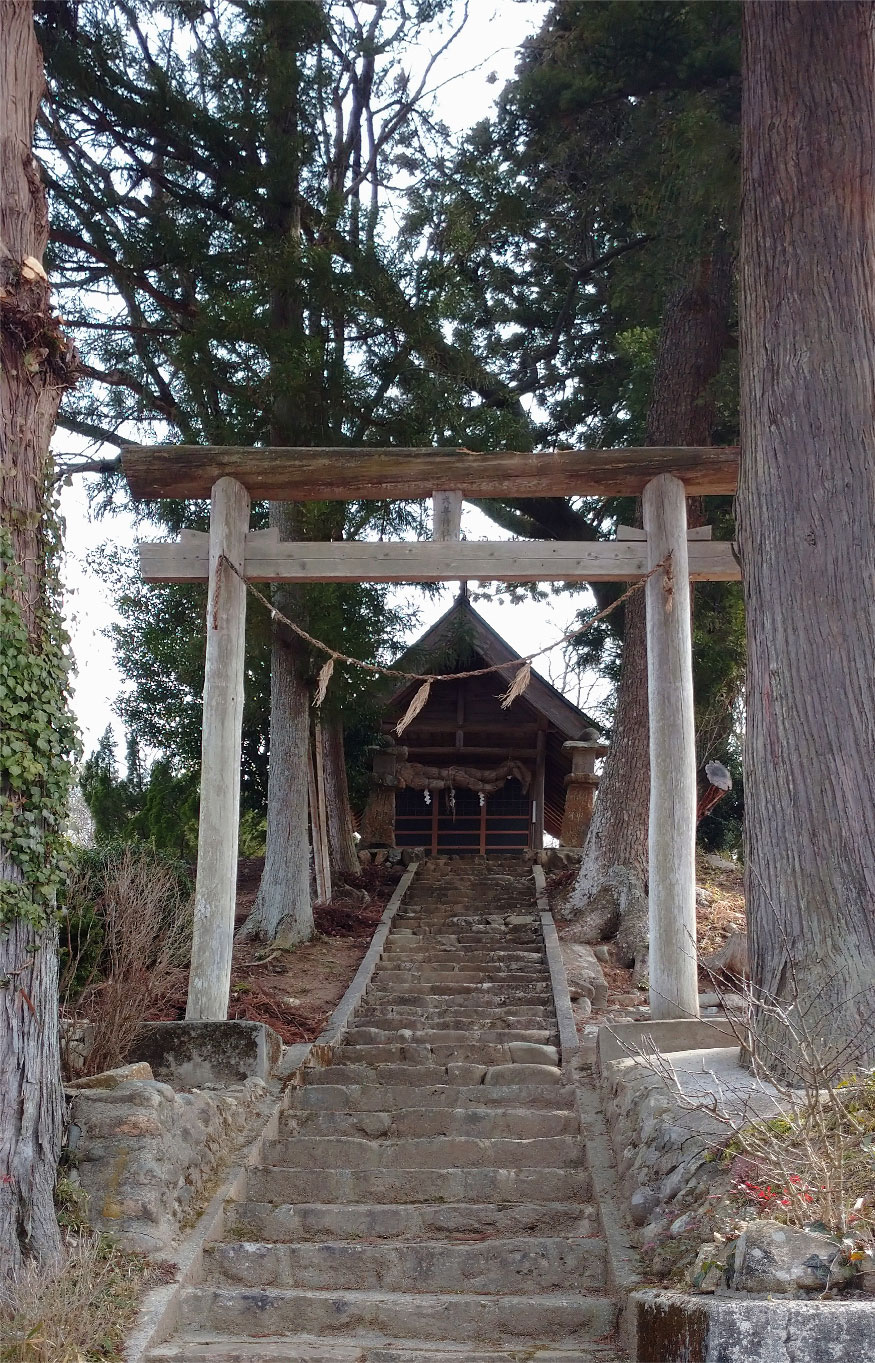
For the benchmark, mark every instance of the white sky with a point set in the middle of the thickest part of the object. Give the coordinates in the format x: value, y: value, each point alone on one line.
x: 489, y: 44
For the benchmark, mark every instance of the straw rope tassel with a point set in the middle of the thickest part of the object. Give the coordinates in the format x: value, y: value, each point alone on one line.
x: 517, y: 686
x: 322, y: 681
x: 413, y: 709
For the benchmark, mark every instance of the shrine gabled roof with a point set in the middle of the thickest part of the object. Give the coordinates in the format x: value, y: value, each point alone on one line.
x: 463, y: 621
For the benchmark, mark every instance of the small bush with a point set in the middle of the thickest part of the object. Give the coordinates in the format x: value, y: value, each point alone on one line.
x: 125, y: 946
x: 78, y: 1312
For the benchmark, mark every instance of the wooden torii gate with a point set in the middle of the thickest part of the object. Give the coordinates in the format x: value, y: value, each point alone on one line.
x: 232, y: 476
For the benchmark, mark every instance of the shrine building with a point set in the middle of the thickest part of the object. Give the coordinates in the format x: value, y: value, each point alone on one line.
x: 469, y: 776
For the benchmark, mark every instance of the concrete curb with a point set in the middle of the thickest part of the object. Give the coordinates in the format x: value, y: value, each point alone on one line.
x: 159, y: 1312
x: 624, y: 1266
x: 569, y: 1042
x: 674, y: 1327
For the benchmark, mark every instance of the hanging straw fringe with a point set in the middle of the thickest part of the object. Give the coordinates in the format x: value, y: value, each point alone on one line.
x: 322, y: 681
x: 413, y: 709
x: 517, y: 686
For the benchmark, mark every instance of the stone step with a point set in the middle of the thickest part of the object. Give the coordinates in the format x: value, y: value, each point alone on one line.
x: 483, y: 1019
x: 566, y: 1319
x: 405, y: 972
x: 497, y: 993
x: 357, y: 1097
x: 456, y: 918
x: 505, y: 1267
x: 432, y: 948
x: 489, y: 962
x: 397, y: 1185
x: 472, y: 1052
x: 447, y: 1036
x: 458, y: 1074
x: 526, y: 938
x: 483, y: 1122
x: 297, y: 1348
x: 438, y: 1152
x: 271, y: 1222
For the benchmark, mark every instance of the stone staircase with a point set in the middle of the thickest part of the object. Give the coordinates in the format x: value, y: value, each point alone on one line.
x: 427, y: 1199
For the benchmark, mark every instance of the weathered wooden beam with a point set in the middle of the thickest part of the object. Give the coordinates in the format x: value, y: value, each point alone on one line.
x: 300, y: 475
x: 674, y: 990
x: 215, y: 886
x: 270, y: 560
x: 446, y: 515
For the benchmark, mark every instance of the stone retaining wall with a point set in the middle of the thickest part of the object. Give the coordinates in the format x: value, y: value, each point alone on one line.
x: 663, y: 1154
x: 148, y: 1157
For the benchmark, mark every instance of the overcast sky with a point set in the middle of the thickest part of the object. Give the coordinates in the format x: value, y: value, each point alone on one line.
x: 487, y: 49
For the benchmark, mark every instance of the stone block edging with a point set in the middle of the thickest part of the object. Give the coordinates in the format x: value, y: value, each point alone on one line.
x: 675, y: 1327
x: 569, y: 1043
x: 159, y: 1312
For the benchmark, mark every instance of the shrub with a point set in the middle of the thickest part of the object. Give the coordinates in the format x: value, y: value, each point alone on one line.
x: 125, y: 946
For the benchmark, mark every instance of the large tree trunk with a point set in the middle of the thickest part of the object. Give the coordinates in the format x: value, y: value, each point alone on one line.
x: 691, y: 347
x: 30, y: 1072
x: 807, y: 530
x: 283, y: 910
x: 341, y: 843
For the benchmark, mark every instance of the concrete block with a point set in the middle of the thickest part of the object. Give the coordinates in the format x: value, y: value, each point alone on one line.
x: 193, y: 1054
x: 618, y: 1041
x: 672, y: 1327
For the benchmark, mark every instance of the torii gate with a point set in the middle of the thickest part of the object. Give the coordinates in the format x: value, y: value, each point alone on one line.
x: 232, y: 476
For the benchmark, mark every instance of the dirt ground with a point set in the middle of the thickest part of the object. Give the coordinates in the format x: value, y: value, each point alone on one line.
x: 715, y: 922
x: 296, y: 991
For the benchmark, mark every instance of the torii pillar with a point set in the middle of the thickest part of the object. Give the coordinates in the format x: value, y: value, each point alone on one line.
x: 224, y: 673
x: 674, y: 987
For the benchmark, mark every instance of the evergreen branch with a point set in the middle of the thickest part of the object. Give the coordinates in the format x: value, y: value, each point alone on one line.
x: 94, y: 432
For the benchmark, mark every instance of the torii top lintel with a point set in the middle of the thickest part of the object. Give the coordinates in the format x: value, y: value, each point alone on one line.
x: 304, y: 474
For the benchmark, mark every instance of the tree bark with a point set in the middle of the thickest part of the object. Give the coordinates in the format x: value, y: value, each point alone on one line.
x: 806, y: 523
x: 30, y: 1071
x: 283, y: 910
x: 341, y: 843
x: 691, y: 347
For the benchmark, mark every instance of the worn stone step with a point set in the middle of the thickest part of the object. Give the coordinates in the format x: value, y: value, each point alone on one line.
x: 201, y: 1348
x: 565, y: 1319
x: 494, y: 953
x: 506, y: 1267
x: 517, y: 1123
x: 447, y: 1036
x: 485, y: 1019
x: 395, y: 973
x: 439, y: 1152
x: 497, y: 992
x: 472, y: 1052
x: 396, y: 1185
x: 357, y: 1097
x: 270, y: 1222
x: 426, y: 933
x: 458, y: 1074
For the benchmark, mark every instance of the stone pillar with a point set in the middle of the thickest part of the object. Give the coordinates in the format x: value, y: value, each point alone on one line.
x: 580, y: 787
x: 378, y: 822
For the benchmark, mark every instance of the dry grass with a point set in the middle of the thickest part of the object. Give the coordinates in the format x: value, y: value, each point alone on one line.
x: 715, y: 922
x: 79, y: 1312
x: 131, y: 957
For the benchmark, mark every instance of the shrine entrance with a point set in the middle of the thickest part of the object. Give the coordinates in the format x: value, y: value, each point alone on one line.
x: 472, y: 776
x: 663, y: 553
